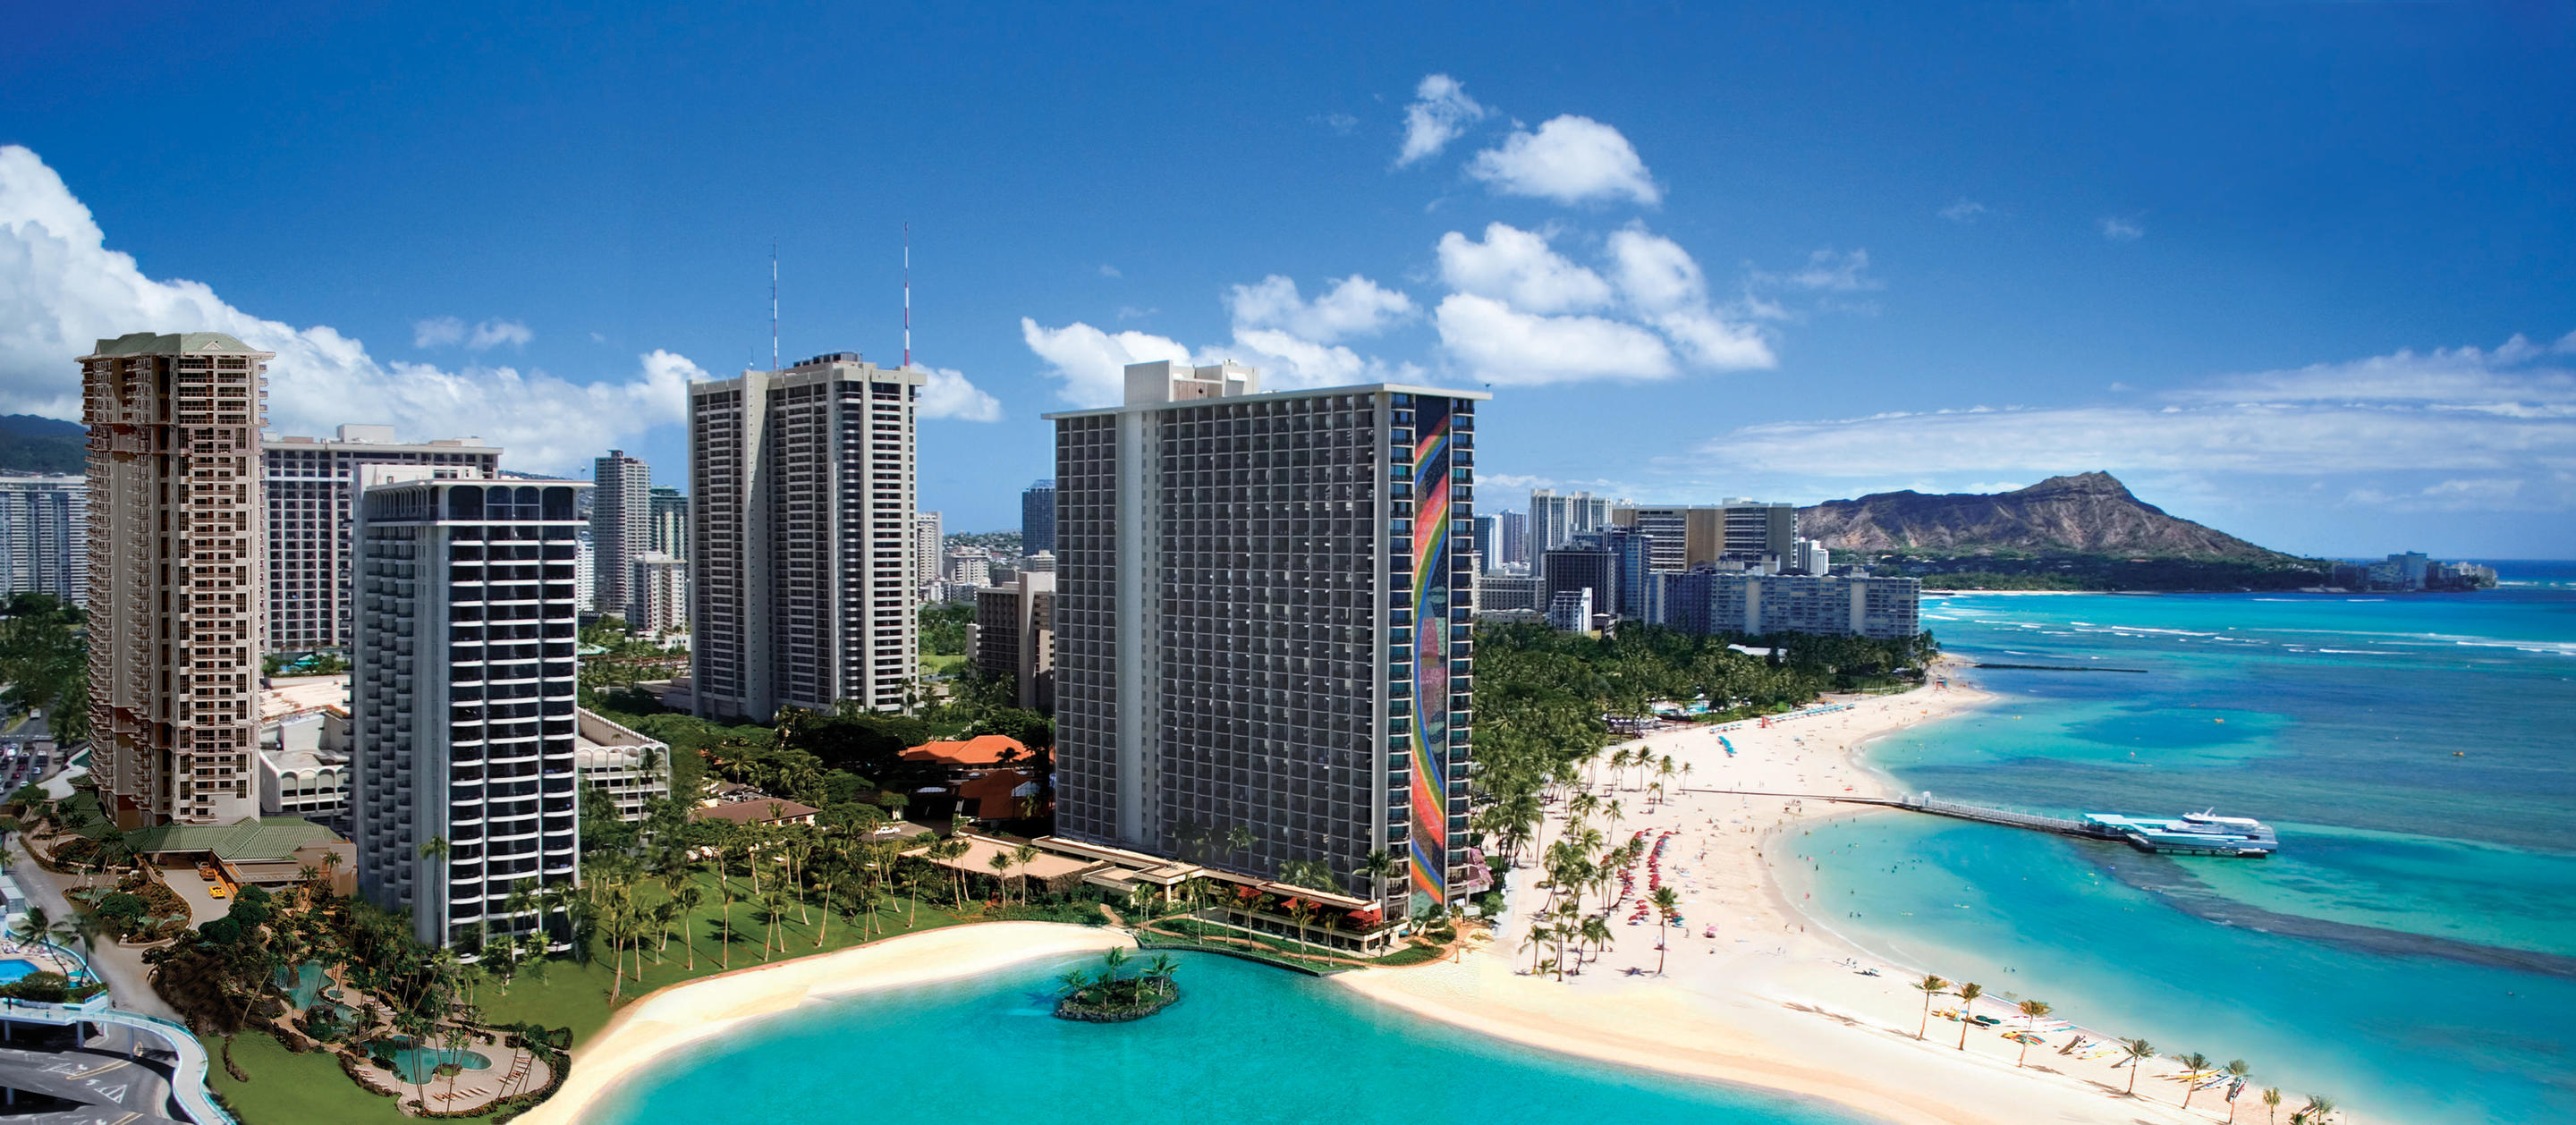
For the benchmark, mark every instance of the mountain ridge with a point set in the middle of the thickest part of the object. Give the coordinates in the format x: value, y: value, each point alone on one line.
x: 2081, y: 514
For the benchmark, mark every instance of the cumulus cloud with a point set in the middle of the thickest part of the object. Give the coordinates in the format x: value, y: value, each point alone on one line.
x: 1501, y: 344
x: 437, y: 332
x: 62, y: 289
x: 2118, y: 229
x: 1667, y: 289
x: 1091, y: 363
x: 1353, y: 306
x: 2494, y: 428
x: 946, y: 393
x: 448, y: 331
x: 1570, y: 160
x: 1440, y: 111
x: 1517, y: 266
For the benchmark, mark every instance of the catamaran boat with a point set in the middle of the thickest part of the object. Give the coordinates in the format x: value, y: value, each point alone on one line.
x: 2200, y: 833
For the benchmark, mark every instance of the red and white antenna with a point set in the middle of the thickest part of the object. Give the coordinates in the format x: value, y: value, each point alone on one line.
x: 773, y: 304
x: 907, y: 296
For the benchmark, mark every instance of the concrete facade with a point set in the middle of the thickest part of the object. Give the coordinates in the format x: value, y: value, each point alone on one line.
x: 1014, y: 635
x: 803, y: 543
x: 621, y: 527
x: 462, y: 697
x: 309, y: 517
x: 175, y: 527
x: 1262, y: 629
x: 659, y: 587
x: 44, y: 537
x: 1706, y: 602
x: 1037, y: 518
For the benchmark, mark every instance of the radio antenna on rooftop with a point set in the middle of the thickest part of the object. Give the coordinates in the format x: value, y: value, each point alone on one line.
x: 773, y: 304
x: 907, y: 296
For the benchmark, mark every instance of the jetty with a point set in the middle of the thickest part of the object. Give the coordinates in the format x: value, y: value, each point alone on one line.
x: 2192, y: 834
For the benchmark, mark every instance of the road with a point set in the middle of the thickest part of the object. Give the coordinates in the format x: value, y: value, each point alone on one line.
x: 128, y: 978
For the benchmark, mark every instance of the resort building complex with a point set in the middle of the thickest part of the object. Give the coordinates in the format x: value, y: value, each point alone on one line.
x: 802, y: 544
x: 1262, y: 629
x: 174, y: 540
x: 1013, y: 636
x: 462, y: 699
x: 44, y: 531
x: 309, y: 517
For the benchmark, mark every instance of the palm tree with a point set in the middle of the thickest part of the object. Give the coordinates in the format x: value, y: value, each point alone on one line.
x: 2139, y: 1052
x: 1536, y: 941
x: 1378, y: 865
x: 2318, y: 1109
x: 1073, y: 980
x: 2237, y: 1070
x: 1023, y: 856
x: 2272, y: 1104
x: 2031, y: 1010
x: 1001, y: 865
x: 2195, y: 1066
x: 1116, y: 957
x: 1668, y: 902
x: 1930, y: 986
x: 330, y: 865
x: 690, y: 896
x: 1596, y: 931
x: 1967, y: 995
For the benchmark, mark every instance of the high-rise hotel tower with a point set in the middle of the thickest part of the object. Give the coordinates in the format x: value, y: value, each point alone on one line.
x: 1262, y: 614
x: 463, y: 677
x: 801, y: 548
x: 174, y: 603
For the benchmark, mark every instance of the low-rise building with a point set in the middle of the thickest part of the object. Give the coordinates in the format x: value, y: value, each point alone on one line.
x: 1706, y: 602
x: 634, y: 769
x: 744, y: 805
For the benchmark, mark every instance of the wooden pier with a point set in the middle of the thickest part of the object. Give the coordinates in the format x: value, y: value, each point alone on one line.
x: 1925, y: 803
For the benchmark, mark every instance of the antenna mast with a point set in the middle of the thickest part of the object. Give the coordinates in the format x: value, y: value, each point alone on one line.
x: 907, y: 296
x: 773, y: 304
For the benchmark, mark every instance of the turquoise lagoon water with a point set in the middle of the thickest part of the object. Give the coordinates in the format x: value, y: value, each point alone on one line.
x: 2411, y: 951
x: 1246, y: 1044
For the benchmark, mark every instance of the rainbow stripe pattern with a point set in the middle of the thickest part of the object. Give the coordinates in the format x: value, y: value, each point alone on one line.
x: 1430, y: 735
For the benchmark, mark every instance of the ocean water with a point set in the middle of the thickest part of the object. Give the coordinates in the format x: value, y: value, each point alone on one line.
x: 2411, y: 951
x: 1246, y: 1044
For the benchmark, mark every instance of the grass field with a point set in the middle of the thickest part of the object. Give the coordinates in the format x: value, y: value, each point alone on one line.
x: 291, y: 1089
x: 940, y: 665
x: 575, y: 994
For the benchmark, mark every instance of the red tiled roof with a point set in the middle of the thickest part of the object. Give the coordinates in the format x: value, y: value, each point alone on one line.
x: 981, y: 750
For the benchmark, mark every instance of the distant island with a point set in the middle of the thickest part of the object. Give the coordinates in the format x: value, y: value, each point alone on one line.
x: 2081, y: 532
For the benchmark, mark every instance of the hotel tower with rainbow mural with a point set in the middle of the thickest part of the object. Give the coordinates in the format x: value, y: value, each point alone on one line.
x: 1263, y: 616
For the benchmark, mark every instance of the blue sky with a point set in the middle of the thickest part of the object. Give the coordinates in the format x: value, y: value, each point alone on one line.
x: 2297, y: 270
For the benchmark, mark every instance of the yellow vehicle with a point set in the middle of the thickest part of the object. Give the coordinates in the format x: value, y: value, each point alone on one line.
x: 218, y: 890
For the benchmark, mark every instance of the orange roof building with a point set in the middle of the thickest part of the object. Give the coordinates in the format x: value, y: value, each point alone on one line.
x: 984, y: 751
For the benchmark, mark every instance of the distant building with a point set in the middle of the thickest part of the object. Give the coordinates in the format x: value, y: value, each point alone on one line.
x: 1754, y: 535
x: 1556, y: 518
x: 305, y: 765
x: 176, y: 508
x: 1013, y: 636
x: 44, y: 537
x: 1489, y: 534
x: 1585, y: 565
x: 1708, y: 602
x: 1037, y: 518
x: 462, y: 706
x: 930, y: 550
x: 634, y: 770
x: 310, y: 517
x: 1570, y: 611
x: 659, y: 587
x: 2410, y: 571
x: 1511, y: 542
x: 1499, y: 592
x: 802, y: 580
x: 669, y: 532
x: 1042, y: 562
x: 968, y: 566
x: 1809, y: 557
x: 621, y: 525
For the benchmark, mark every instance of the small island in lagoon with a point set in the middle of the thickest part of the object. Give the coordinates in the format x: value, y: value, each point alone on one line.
x: 1115, y: 998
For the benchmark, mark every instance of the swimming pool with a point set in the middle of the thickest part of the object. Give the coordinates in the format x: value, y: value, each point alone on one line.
x: 15, y: 969
x: 420, y: 1064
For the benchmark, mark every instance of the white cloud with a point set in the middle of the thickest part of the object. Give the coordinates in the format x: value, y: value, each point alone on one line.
x: 62, y: 289
x: 1570, y: 160
x: 1835, y: 273
x: 1440, y: 111
x: 946, y: 393
x: 1093, y: 363
x: 1964, y: 211
x: 1501, y: 344
x: 1354, y: 306
x: 493, y: 333
x: 1107, y: 270
x: 1517, y: 266
x: 2118, y: 229
x: 1667, y: 289
x: 437, y: 332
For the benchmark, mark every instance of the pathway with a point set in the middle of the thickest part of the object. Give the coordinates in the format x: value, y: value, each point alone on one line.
x: 127, y: 977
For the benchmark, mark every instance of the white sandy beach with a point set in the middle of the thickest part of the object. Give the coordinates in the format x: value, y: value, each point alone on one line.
x: 1766, y: 1002
x: 683, y: 1014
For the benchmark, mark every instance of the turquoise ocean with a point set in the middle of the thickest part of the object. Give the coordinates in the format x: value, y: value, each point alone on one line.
x: 2412, y: 949
x: 1247, y: 1044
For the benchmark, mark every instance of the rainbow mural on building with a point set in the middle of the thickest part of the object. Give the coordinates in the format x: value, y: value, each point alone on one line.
x: 1430, y: 736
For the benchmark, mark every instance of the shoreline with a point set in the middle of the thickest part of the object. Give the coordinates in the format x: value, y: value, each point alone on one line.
x: 1778, y: 1000
x: 663, y: 1022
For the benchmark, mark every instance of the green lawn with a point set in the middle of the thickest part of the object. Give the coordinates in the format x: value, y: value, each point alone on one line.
x: 291, y: 1089
x: 934, y: 665
x: 575, y: 995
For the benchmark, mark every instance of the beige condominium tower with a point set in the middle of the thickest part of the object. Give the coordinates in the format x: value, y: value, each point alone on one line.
x: 801, y: 540
x: 175, y: 515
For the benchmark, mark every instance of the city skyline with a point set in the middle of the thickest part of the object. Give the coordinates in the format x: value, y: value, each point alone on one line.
x: 1644, y: 247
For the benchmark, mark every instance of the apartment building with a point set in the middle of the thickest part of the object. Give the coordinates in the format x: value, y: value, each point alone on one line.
x: 1707, y: 602
x: 464, y: 678
x: 803, y: 544
x: 44, y: 537
x: 621, y: 527
x: 1263, y: 650
x: 668, y: 532
x: 1013, y: 636
x: 175, y: 515
x: 309, y: 517
x: 1742, y: 533
x: 659, y: 585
